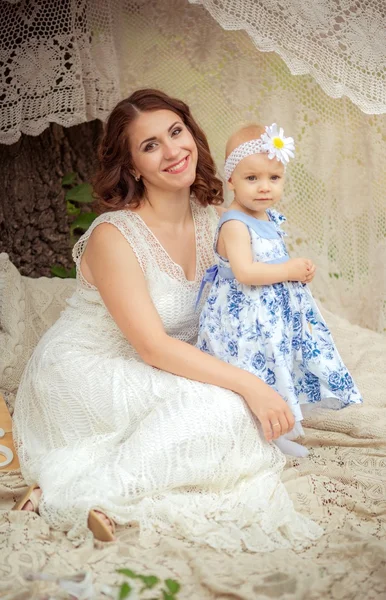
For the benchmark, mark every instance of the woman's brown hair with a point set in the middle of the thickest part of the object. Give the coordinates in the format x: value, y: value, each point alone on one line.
x: 114, y: 184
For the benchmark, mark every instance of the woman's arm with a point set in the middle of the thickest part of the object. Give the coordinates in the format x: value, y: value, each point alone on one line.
x: 237, y: 243
x: 110, y: 264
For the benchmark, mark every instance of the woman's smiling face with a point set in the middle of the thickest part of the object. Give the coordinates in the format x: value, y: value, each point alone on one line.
x: 163, y: 150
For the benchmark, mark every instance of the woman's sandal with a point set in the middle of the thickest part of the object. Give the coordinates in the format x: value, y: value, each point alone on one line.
x: 99, y: 528
x: 29, y: 496
x: 96, y: 525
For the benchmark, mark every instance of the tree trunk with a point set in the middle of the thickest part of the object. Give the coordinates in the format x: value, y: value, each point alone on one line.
x: 34, y: 225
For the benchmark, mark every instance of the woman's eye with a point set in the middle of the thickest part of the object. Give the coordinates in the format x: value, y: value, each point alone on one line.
x: 176, y: 131
x: 149, y: 146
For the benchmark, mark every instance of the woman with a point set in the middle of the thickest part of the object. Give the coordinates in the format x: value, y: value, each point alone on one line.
x: 119, y: 418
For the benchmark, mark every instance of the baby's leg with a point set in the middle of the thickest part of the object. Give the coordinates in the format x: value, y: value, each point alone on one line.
x: 286, y: 444
x: 291, y: 448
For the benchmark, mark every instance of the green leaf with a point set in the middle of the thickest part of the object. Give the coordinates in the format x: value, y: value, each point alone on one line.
x: 167, y: 596
x: 149, y: 581
x: 72, y: 272
x: 72, y: 210
x: 172, y: 585
x: 59, y: 271
x: 83, y: 222
x: 124, y: 591
x: 128, y: 573
x: 69, y: 178
x: 80, y: 193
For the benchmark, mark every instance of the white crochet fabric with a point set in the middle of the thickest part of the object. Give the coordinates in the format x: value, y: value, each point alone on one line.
x: 335, y: 189
x: 68, y: 62
x: 340, y: 43
x: 28, y: 307
x: 97, y: 427
x: 242, y: 151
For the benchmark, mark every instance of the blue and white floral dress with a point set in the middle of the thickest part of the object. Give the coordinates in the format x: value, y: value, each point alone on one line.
x: 274, y: 331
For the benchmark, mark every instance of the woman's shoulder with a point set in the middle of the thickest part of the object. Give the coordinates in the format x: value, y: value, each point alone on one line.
x: 220, y: 210
x: 122, y: 219
x: 209, y: 214
x: 105, y: 227
x: 112, y: 215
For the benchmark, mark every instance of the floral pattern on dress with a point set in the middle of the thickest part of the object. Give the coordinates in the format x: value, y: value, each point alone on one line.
x: 275, y: 331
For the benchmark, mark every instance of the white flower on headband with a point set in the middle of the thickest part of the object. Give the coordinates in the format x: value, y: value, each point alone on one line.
x: 277, y: 145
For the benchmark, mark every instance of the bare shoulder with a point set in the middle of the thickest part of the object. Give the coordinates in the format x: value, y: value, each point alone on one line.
x: 108, y: 252
x: 107, y: 237
x: 235, y: 227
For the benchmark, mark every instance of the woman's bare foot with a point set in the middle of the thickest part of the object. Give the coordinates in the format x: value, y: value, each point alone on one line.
x: 28, y: 505
x: 105, y: 520
x: 102, y: 527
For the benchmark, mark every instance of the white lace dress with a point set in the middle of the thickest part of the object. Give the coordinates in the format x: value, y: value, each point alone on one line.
x: 96, y: 427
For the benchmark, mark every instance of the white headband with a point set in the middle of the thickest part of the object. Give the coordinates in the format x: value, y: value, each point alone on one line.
x: 272, y: 142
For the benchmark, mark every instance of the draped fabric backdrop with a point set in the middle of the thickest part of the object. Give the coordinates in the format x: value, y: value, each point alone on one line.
x: 318, y: 69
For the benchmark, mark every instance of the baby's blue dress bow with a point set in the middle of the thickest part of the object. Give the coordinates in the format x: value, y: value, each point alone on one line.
x: 210, y: 276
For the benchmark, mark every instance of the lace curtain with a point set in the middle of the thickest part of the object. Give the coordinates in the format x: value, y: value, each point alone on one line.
x: 335, y: 192
x: 340, y: 43
x: 59, y: 62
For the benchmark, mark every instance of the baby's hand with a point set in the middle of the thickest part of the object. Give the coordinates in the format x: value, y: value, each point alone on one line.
x: 301, y: 269
x: 311, y: 273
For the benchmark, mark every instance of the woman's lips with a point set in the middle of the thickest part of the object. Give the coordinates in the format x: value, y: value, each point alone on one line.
x: 178, y: 167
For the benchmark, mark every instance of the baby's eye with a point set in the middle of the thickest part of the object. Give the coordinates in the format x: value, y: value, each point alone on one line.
x: 275, y: 177
x: 251, y: 178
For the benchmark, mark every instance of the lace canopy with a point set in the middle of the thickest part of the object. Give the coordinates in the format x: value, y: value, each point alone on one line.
x: 339, y: 42
x: 61, y: 62
x: 71, y: 62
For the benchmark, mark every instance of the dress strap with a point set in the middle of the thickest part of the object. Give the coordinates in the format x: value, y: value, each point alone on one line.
x: 123, y: 220
x: 264, y: 229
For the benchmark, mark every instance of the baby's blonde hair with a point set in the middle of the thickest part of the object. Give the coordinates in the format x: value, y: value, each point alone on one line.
x: 249, y: 132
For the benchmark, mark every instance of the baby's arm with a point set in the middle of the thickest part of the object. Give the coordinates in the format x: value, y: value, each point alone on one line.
x: 237, y: 244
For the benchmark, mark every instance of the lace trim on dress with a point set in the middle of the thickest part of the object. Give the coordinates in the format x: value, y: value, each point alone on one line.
x: 147, y: 247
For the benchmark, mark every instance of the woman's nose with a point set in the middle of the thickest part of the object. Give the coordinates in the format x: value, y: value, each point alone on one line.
x: 171, y: 150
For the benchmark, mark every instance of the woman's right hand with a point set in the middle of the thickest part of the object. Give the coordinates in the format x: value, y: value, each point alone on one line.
x: 300, y: 269
x: 271, y: 410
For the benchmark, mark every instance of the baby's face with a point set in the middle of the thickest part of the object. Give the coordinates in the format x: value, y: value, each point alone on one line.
x: 257, y: 183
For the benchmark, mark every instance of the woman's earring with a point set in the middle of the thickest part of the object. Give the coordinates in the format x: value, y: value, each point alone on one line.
x: 137, y: 178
